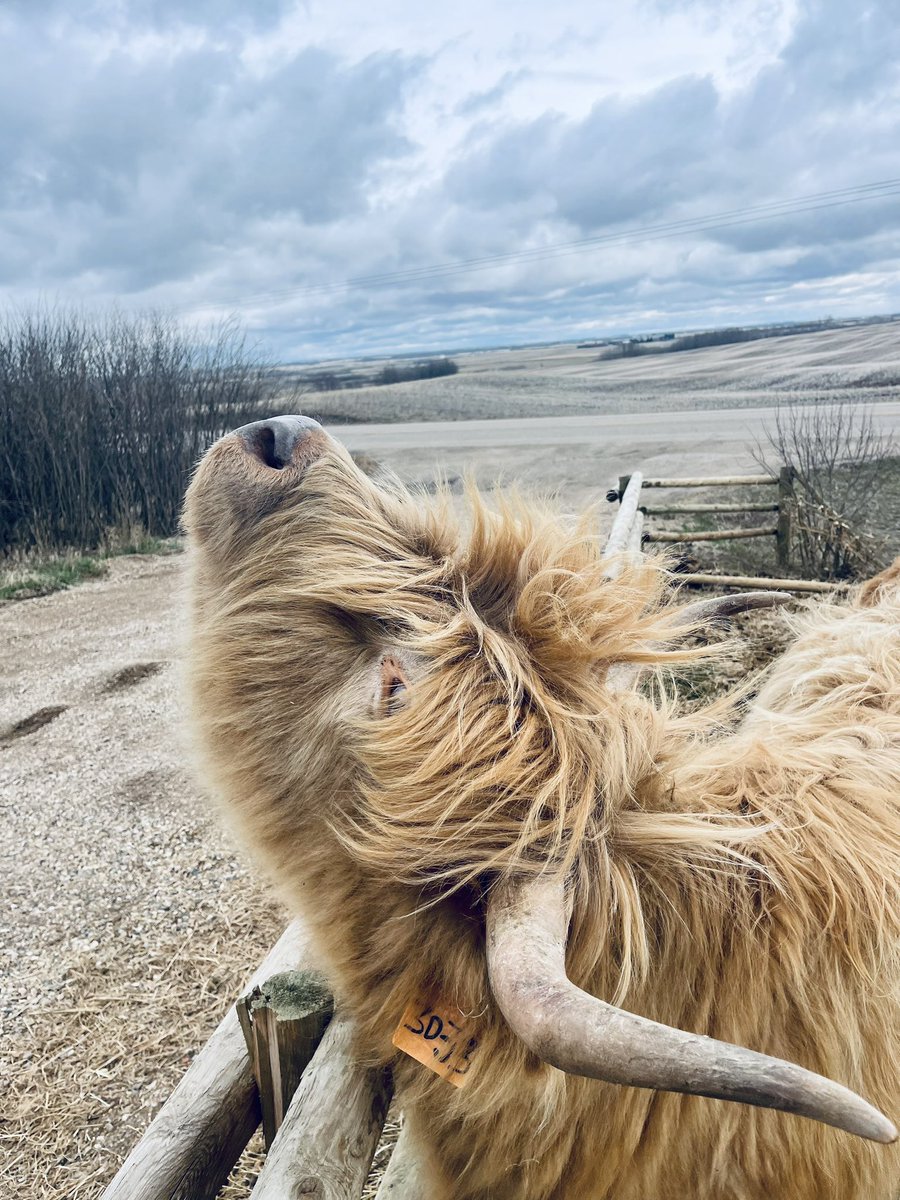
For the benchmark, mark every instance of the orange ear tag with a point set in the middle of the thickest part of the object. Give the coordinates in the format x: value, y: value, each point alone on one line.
x: 440, y: 1037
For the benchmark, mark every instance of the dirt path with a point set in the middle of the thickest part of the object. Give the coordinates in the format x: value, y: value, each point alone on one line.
x: 128, y: 919
x: 90, y: 753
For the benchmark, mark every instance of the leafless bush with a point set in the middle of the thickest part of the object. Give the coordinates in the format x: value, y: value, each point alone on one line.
x: 842, y: 462
x: 101, y: 422
x: 433, y: 368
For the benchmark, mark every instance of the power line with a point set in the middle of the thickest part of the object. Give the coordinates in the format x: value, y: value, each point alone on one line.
x: 798, y: 205
x: 651, y: 232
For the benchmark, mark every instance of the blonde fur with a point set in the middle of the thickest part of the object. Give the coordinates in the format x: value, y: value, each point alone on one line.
x: 733, y: 871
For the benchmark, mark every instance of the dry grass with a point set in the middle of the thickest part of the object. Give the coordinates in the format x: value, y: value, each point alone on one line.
x: 25, y: 575
x: 386, y: 1144
x: 246, y: 1170
x: 87, y: 1070
x: 748, y: 646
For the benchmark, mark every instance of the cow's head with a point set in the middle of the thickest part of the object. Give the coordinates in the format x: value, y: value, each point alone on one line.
x: 441, y: 689
x: 446, y: 698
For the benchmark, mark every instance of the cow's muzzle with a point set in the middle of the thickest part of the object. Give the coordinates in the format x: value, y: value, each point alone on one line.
x: 282, y: 442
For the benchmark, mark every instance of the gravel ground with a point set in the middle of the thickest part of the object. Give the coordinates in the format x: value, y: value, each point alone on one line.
x: 129, y: 919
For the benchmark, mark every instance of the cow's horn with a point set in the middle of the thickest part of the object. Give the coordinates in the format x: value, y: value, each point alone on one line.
x: 715, y: 609
x: 718, y: 608
x: 527, y: 924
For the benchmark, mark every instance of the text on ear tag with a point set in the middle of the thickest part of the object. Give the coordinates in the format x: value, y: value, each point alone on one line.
x: 440, y: 1037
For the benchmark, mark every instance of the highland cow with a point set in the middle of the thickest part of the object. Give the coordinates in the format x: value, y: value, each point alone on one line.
x: 419, y: 724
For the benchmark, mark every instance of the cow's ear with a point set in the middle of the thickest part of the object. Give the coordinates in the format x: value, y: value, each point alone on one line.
x: 393, y: 685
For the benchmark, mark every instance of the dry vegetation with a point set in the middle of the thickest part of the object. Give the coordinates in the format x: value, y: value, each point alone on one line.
x: 88, y: 1060
x: 101, y: 422
x: 843, y: 468
x: 858, y: 363
x: 872, y: 540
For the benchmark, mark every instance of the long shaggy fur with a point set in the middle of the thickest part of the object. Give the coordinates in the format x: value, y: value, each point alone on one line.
x: 733, y: 872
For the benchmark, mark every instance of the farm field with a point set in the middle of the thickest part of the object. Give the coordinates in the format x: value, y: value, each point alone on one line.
x: 860, y: 362
x: 132, y: 918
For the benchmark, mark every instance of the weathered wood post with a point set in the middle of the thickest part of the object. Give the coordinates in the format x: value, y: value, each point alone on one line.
x: 199, y: 1133
x: 402, y: 1180
x: 629, y: 496
x: 326, y: 1144
x: 283, y: 1021
x: 785, y: 509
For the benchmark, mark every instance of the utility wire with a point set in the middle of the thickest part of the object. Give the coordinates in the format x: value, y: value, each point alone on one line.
x: 798, y: 205
x: 650, y: 232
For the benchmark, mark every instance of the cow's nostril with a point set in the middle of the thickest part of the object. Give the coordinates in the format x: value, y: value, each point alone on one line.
x: 274, y: 442
x: 265, y: 448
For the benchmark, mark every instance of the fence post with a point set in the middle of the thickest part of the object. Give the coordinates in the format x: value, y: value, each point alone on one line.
x: 198, y: 1134
x: 327, y: 1141
x: 283, y: 1021
x: 402, y: 1179
x: 629, y: 499
x: 785, y: 505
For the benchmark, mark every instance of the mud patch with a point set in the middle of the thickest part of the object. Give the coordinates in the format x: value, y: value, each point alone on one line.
x: 147, y: 789
x: 31, y: 724
x: 130, y: 676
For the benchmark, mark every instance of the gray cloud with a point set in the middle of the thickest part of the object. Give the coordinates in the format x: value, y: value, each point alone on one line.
x: 624, y: 160
x: 155, y: 13
x: 144, y: 153
x: 823, y: 116
x: 147, y: 165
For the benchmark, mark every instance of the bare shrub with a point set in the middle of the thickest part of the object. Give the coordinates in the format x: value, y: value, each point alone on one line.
x: 101, y: 422
x: 433, y: 368
x: 842, y: 463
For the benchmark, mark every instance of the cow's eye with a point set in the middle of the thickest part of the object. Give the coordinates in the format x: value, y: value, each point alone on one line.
x: 364, y: 626
x: 360, y: 626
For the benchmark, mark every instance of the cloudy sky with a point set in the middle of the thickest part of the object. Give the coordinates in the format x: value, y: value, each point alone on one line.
x: 351, y: 177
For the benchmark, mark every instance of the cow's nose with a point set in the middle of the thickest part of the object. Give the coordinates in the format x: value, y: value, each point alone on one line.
x: 274, y: 442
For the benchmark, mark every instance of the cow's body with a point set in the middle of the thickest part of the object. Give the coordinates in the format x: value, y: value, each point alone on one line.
x: 740, y: 883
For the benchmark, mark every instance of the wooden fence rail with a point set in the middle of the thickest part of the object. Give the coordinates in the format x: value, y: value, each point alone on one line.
x: 711, y: 481
x: 673, y: 510
x: 628, y: 528
x: 710, y: 535
x: 755, y: 581
x: 783, y: 506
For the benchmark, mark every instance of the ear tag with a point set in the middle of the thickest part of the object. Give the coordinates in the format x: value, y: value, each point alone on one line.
x: 440, y: 1037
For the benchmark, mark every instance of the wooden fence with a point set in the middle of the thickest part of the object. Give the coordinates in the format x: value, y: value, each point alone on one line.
x: 283, y: 1061
x: 780, y: 506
